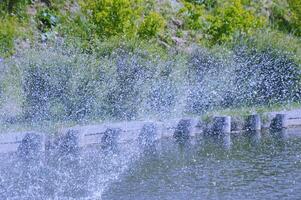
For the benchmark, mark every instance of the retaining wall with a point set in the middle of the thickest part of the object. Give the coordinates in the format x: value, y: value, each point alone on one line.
x: 125, y: 132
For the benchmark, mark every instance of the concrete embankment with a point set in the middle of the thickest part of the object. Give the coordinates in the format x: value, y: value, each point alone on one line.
x: 109, y: 134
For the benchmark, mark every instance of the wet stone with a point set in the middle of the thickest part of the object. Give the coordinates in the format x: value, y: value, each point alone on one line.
x: 66, y: 145
x: 237, y: 124
x: 221, y: 125
x: 109, y: 139
x: 253, y: 123
x: 279, y: 122
x: 147, y: 136
x: 182, y: 132
x: 31, y: 146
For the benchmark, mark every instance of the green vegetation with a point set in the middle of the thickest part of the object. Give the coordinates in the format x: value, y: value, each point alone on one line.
x: 152, y: 24
x: 222, y: 23
x: 232, y: 19
x: 46, y: 20
x: 245, y: 111
x: 7, y: 35
x: 156, y: 41
x: 122, y: 18
x: 16, y: 7
x: 286, y: 16
x: 241, y: 113
x: 60, y: 83
x: 112, y: 17
x: 166, y: 23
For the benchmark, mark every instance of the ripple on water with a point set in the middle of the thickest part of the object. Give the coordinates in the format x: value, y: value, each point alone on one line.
x: 270, y: 169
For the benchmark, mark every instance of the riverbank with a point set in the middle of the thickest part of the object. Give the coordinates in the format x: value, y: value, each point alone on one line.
x: 167, y: 64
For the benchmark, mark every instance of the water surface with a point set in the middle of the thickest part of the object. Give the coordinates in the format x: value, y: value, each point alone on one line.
x: 266, y: 169
x: 250, y: 168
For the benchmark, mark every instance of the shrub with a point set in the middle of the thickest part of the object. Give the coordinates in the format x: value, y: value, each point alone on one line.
x: 10, y: 91
x: 7, y: 35
x: 280, y: 15
x: 211, y: 82
x: 76, y: 30
x: 192, y: 14
x: 123, y: 18
x: 229, y: 19
x: 280, y: 42
x: 208, y: 3
x: 113, y: 17
x: 151, y: 25
x: 223, y: 23
x: 46, y: 20
x: 295, y: 7
x: 55, y: 83
x: 144, y: 85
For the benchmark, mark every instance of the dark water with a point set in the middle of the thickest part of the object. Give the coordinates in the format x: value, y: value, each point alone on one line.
x: 266, y: 168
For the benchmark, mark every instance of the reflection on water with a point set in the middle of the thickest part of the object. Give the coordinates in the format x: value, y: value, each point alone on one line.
x: 250, y: 167
x: 253, y: 168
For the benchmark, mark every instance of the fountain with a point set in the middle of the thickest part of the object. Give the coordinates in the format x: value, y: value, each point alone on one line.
x: 139, y: 130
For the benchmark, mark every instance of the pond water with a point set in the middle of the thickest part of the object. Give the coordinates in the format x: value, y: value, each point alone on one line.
x: 266, y: 168
x: 269, y: 169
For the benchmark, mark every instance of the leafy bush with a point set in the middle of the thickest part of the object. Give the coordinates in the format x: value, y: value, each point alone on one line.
x: 46, y: 20
x: 76, y: 29
x: 208, y: 3
x: 123, y: 18
x: 55, y: 85
x: 151, y: 25
x: 113, y: 17
x: 229, y: 19
x: 62, y: 84
x: 280, y: 15
x: 7, y: 35
x: 280, y: 42
x: 223, y: 23
x: 192, y: 15
x: 212, y: 81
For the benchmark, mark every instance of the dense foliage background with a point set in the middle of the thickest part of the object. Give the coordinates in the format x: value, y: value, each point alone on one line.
x: 79, y: 59
x: 167, y: 23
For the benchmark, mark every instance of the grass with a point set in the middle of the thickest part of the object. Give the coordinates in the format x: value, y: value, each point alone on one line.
x: 245, y: 111
x: 52, y: 127
x: 48, y: 127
